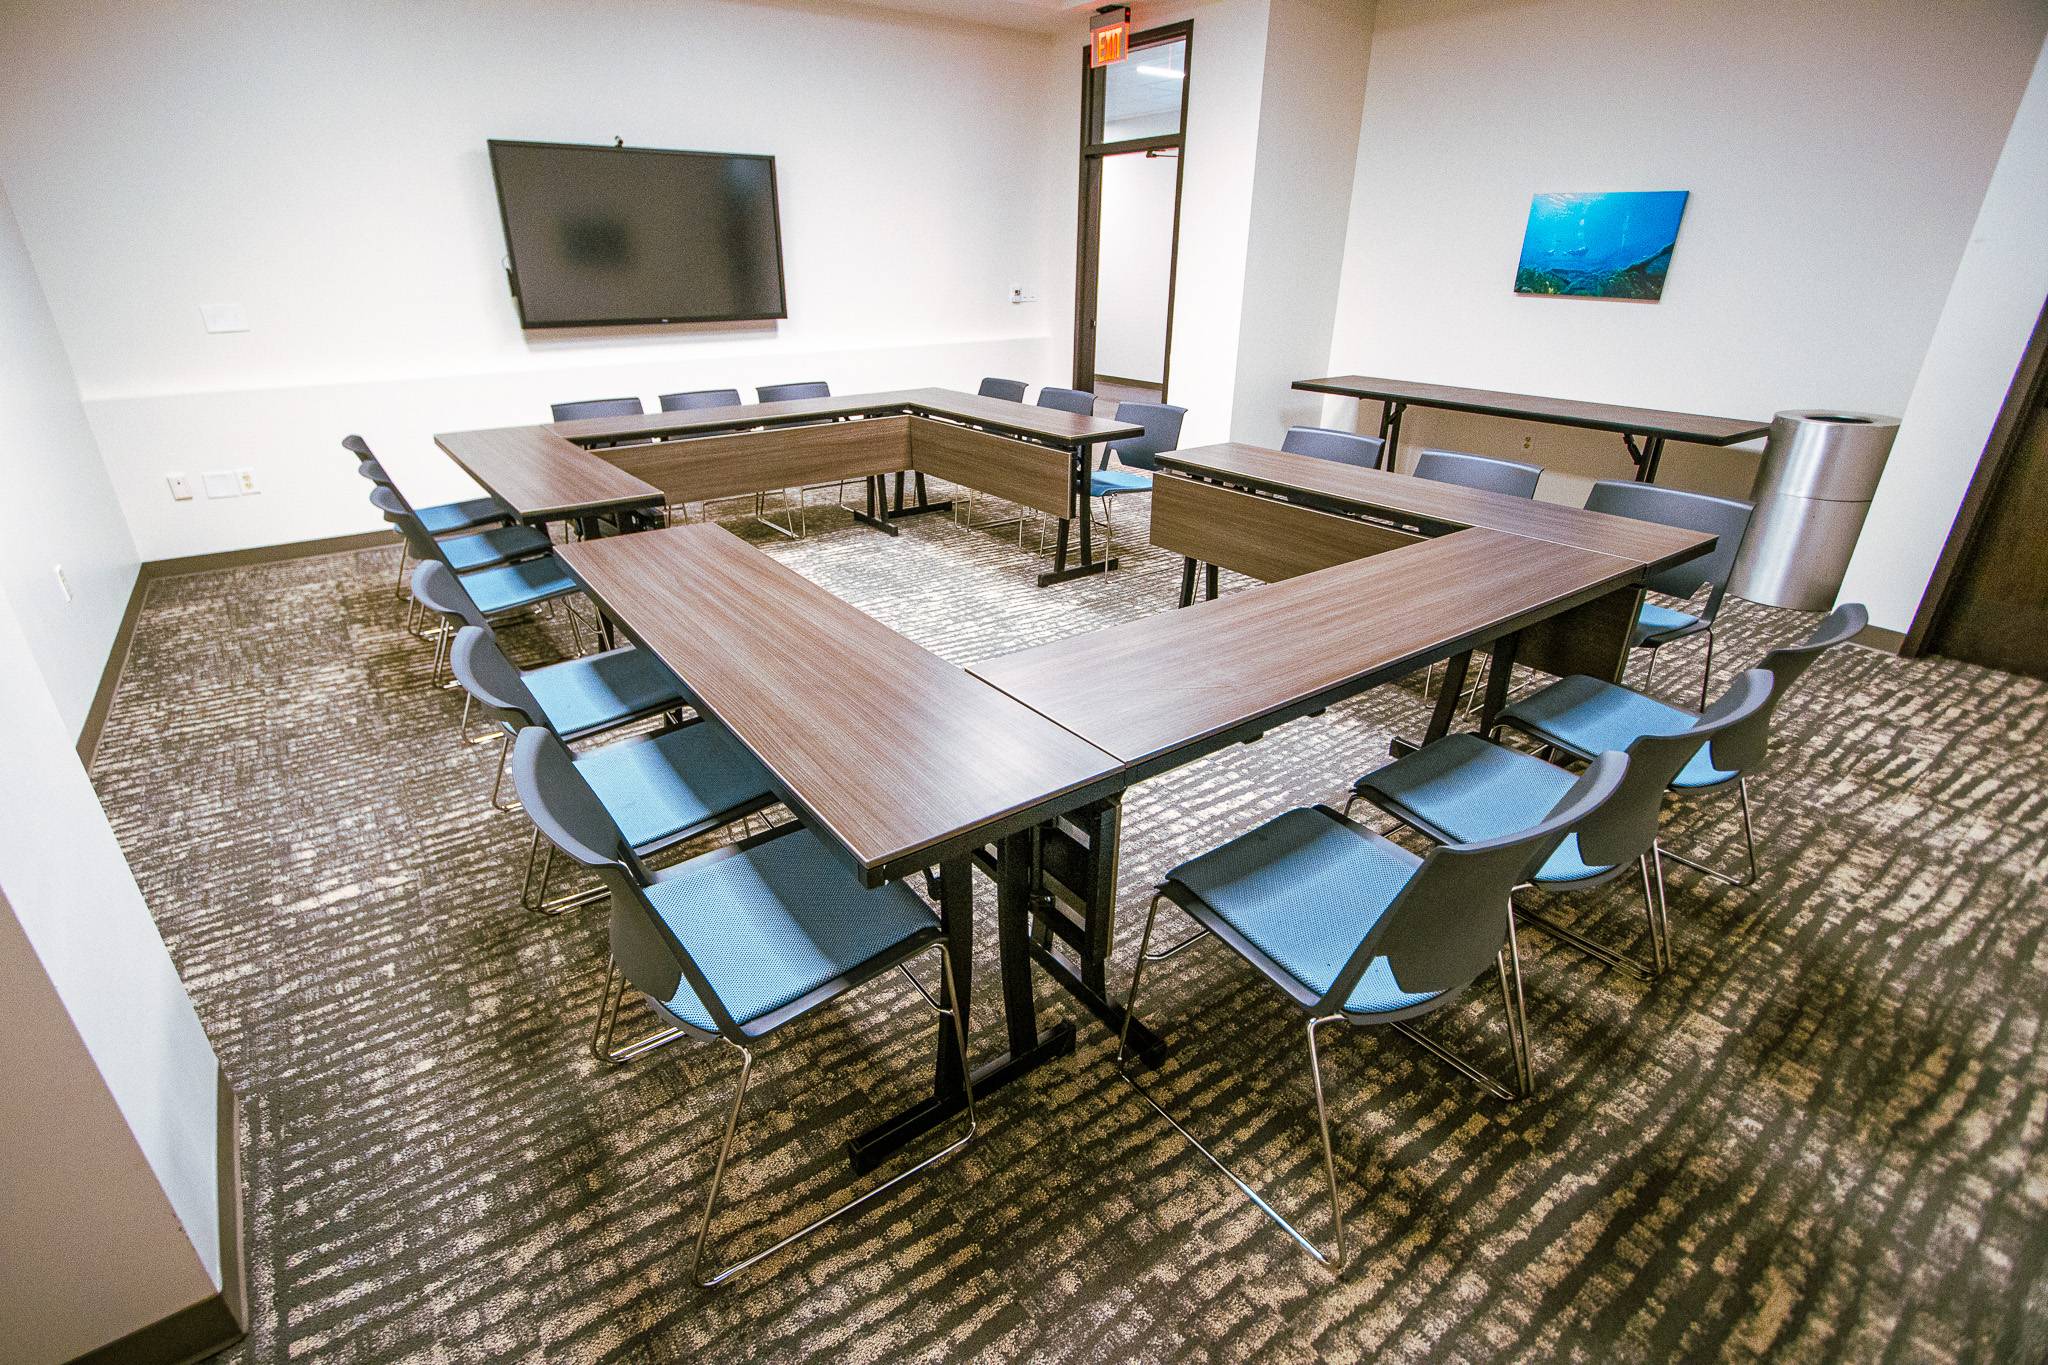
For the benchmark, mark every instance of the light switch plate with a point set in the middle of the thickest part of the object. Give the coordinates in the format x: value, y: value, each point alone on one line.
x: 223, y: 317
x: 221, y: 483
x: 1023, y: 293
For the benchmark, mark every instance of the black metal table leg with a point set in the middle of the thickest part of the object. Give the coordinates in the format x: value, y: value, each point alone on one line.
x: 924, y: 505
x: 877, y: 514
x: 1499, y: 677
x: 1187, y: 582
x: 1077, y: 491
x: 1028, y: 1048
x: 1447, y: 700
x: 1390, y: 432
x: 1209, y: 577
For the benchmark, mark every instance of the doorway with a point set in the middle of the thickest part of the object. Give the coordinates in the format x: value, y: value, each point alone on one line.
x: 1133, y: 134
x: 1988, y: 601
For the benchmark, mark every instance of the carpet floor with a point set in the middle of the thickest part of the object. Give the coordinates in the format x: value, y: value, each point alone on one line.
x: 1820, y: 1138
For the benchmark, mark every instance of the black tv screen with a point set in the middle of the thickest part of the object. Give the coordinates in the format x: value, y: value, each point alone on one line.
x: 603, y: 235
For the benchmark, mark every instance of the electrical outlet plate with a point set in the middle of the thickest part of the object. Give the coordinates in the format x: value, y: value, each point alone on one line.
x: 181, y: 486
x: 1023, y: 293
x: 223, y: 317
x: 245, y: 481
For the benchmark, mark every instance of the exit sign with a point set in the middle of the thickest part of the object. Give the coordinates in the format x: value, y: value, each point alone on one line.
x: 1109, y: 37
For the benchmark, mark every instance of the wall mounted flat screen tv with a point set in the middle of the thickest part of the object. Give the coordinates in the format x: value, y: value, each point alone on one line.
x: 610, y: 235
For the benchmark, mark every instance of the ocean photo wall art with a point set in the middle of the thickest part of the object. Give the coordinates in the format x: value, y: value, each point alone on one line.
x: 1600, y: 246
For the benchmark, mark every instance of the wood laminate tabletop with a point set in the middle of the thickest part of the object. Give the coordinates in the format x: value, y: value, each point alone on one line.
x: 542, y: 477
x: 1570, y: 412
x: 1430, y: 507
x: 887, y: 750
x: 1047, y: 425
x: 1162, y: 691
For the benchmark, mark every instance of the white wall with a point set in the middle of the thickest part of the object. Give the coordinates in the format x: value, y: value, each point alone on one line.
x: 325, y: 168
x: 62, y: 506
x: 1137, y: 251
x: 1315, y: 77
x: 1836, y: 152
x: 1984, y: 328
x: 80, y: 912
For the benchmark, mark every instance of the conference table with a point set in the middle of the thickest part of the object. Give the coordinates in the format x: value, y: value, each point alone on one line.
x: 548, y: 481
x: 1651, y: 426
x: 1016, y: 767
x: 1036, y: 457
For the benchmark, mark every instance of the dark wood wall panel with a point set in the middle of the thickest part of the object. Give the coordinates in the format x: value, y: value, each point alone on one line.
x: 779, y: 457
x: 1265, y: 538
x: 1035, y: 476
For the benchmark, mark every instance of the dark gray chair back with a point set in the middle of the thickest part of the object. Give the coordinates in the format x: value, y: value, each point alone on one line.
x: 565, y: 810
x: 438, y: 588
x: 1162, y: 433
x: 700, y: 398
x: 596, y: 407
x: 1067, y: 400
x: 1743, y: 747
x: 374, y: 472
x: 1012, y: 389
x: 356, y: 446
x: 1511, y: 477
x: 487, y: 675
x: 1445, y: 926
x: 1327, y: 443
x: 777, y: 393
x: 1726, y: 518
x: 1622, y: 830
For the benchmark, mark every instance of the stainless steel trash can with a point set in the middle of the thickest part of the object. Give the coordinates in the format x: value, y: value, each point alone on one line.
x: 1819, y: 472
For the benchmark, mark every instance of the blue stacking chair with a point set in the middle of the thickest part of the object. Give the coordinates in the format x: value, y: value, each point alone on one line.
x: 1011, y: 389
x: 693, y: 399
x: 596, y: 407
x: 781, y: 393
x: 1353, y: 927
x: 1581, y: 716
x: 740, y: 942
x: 576, y: 698
x: 1462, y: 788
x: 472, y: 599
x: 1328, y: 443
x: 441, y: 519
x: 1141, y: 454
x: 1511, y: 477
x: 474, y: 549
x: 1067, y: 400
x: 1727, y: 518
x: 660, y: 789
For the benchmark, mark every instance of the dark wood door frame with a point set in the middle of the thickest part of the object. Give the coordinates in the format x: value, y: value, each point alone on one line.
x: 2020, y: 401
x: 1088, y: 255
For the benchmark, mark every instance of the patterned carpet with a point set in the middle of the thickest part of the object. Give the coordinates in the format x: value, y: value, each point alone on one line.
x: 1821, y: 1138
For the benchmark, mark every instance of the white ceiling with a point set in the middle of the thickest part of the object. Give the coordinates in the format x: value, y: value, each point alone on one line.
x: 1042, y: 16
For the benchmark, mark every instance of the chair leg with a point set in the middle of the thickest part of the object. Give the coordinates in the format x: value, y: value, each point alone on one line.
x: 732, y: 1123
x: 404, y: 556
x: 1707, y: 673
x: 603, y: 1043
x: 1748, y: 846
x: 1508, y: 963
x: 1601, y: 952
x: 1649, y: 668
x: 534, y: 896
x: 1333, y: 1262
x: 498, y: 782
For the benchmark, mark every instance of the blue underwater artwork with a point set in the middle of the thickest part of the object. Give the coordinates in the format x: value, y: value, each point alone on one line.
x: 1600, y: 246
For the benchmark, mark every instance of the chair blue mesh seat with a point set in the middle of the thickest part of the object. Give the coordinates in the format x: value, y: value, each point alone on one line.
x: 1304, y: 890
x: 1655, y: 621
x: 443, y: 518
x: 1584, y: 716
x: 769, y: 925
x: 674, y: 783
x: 1469, y: 789
x: 600, y: 690
x: 510, y: 586
x: 1109, y: 482
x: 497, y: 546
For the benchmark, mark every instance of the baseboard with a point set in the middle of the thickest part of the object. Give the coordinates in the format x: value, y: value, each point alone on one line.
x: 220, y: 1320
x: 266, y: 554
x: 152, y: 570
x: 1126, y: 382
